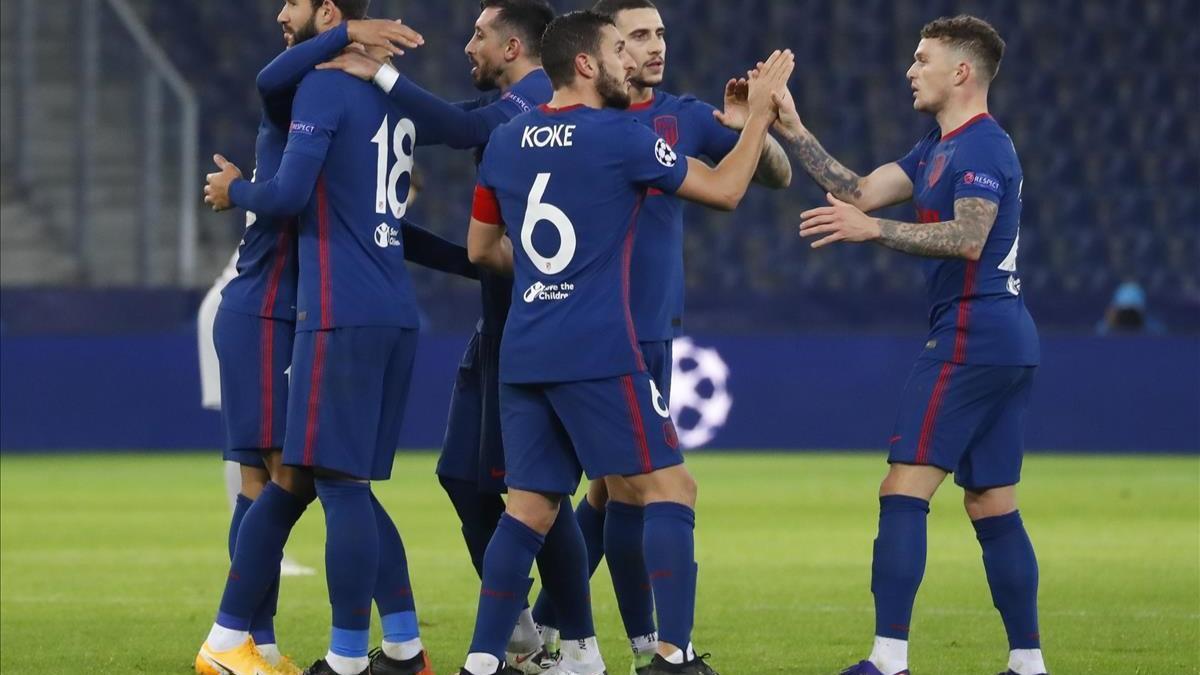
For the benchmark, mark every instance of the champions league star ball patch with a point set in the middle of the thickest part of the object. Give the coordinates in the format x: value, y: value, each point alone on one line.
x: 700, y: 400
x: 665, y: 154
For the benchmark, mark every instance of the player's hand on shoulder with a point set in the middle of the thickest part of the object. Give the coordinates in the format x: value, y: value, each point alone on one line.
x: 737, y: 104
x: 392, y: 36
x: 839, y: 221
x: 357, y: 62
x: 216, y: 192
x: 768, y: 81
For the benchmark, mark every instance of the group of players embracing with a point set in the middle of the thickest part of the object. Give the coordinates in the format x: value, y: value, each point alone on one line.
x: 576, y: 238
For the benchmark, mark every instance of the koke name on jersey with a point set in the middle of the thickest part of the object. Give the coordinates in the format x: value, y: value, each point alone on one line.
x: 557, y: 136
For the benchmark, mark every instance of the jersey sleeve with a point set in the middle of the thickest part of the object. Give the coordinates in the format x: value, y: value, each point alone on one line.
x: 286, y: 71
x: 443, y: 123
x: 485, y: 205
x: 316, y: 113
x: 716, y: 139
x: 908, y: 163
x: 649, y: 160
x: 979, y: 170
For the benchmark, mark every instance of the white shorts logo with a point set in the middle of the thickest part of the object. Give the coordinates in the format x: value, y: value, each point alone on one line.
x: 700, y: 400
x: 665, y: 154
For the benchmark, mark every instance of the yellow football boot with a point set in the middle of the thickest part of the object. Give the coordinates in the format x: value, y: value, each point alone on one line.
x: 288, y: 667
x: 241, y: 660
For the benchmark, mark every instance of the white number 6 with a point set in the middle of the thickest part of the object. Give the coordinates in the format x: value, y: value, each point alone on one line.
x: 535, y: 212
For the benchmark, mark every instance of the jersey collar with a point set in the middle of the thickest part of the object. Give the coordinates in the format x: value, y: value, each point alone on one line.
x: 545, y: 107
x: 644, y: 105
x: 978, y: 118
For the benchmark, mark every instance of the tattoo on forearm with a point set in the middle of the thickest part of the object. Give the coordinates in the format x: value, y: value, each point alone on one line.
x: 774, y: 167
x: 827, y: 171
x: 962, y: 237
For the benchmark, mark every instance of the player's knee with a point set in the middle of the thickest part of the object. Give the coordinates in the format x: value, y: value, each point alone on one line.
x: 534, y: 510
x: 598, y: 493
x: 912, y: 480
x: 990, y: 503
x: 297, y: 482
x: 254, y: 479
x: 673, y: 484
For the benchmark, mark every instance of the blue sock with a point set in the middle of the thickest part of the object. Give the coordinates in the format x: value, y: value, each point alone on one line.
x: 393, y: 591
x: 240, y: 507
x: 1012, y: 574
x: 627, y: 564
x: 668, y: 539
x: 563, y: 564
x: 478, y: 511
x: 351, y: 562
x: 255, y: 568
x: 506, y: 585
x: 591, y: 524
x: 899, y: 563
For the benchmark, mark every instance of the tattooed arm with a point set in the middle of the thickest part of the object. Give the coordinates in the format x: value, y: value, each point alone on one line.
x: 884, y: 186
x: 774, y: 169
x: 962, y: 237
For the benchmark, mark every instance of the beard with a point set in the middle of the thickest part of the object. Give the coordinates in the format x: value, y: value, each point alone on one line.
x: 485, y: 78
x: 306, y: 32
x: 613, y: 92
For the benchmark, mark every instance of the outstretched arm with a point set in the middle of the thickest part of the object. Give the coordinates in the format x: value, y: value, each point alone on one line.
x: 963, y: 237
x: 439, y: 121
x: 774, y: 168
x: 285, y: 72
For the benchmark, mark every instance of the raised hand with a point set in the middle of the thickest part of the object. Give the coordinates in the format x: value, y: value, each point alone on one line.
x: 392, y: 36
x: 216, y: 192
x: 769, y: 80
x: 788, y: 123
x: 737, y: 104
x: 838, y: 222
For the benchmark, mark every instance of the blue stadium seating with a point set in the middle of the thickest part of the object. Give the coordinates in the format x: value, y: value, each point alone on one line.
x: 1100, y: 98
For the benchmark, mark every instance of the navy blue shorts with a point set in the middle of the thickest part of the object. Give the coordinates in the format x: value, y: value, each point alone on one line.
x: 965, y: 419
x: 473, y: 449
x: 254, y: 353
x: 615, y: 426
x: 349, y: 390
x: 658, y: 358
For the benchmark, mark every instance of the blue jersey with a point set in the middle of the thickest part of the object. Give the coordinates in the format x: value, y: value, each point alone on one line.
x: 688, y: 125
x: 498, y: 108
x: 265, y: 284
x: 977, y: 314
x: 569, y: 184
x: 352, y: 270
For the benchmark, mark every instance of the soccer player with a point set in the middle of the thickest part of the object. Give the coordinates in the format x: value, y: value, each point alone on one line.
x: 352, y: 360
x: 569, y: 178
x: 504, y: 51
x: 694, y: 129
x: 963, y: 408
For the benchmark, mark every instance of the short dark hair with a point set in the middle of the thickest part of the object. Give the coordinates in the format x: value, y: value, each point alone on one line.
x: 352, y: 10
x: 527, y: 18
x: 614, y: 7
x: 566, y: 37
x: 972, y: 35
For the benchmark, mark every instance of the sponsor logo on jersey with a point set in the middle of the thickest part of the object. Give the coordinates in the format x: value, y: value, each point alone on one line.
x: 557, y: 136
x: 981, y: 180
x: 303, y: 128
x: 386, y: 235
x: 551, y: 292
x: 664, y: 153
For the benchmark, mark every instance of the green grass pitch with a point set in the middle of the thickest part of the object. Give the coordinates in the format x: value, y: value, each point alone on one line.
x: 115, y: 563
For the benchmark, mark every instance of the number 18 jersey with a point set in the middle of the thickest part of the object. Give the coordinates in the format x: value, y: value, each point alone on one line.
x: 569, y: 184
x: 352, y: 270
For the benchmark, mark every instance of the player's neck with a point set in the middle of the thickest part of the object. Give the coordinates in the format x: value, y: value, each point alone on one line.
x: 954, y: 116
x: 576, y: 96
x: 515, y: 73
x: 640, y: 95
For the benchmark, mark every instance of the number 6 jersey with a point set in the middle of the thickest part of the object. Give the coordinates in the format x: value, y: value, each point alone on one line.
x: 976, y: 312
x: 352, y: 270
x: 568, y: 184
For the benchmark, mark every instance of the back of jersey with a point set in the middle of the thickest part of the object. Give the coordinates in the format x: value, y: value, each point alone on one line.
x: 352, y: 270
x: 569, y: 184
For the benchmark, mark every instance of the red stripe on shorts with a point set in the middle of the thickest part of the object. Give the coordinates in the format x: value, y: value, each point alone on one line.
x: 314, y: 398
x: 635, y: 421
x: 931, y: 412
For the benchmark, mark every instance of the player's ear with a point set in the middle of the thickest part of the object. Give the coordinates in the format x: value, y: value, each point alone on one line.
x: 585, y: 65
x: 962, y: 72
x: 513, y: 49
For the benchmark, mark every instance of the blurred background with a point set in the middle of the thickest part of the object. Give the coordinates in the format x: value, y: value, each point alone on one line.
x: 112, y: 109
